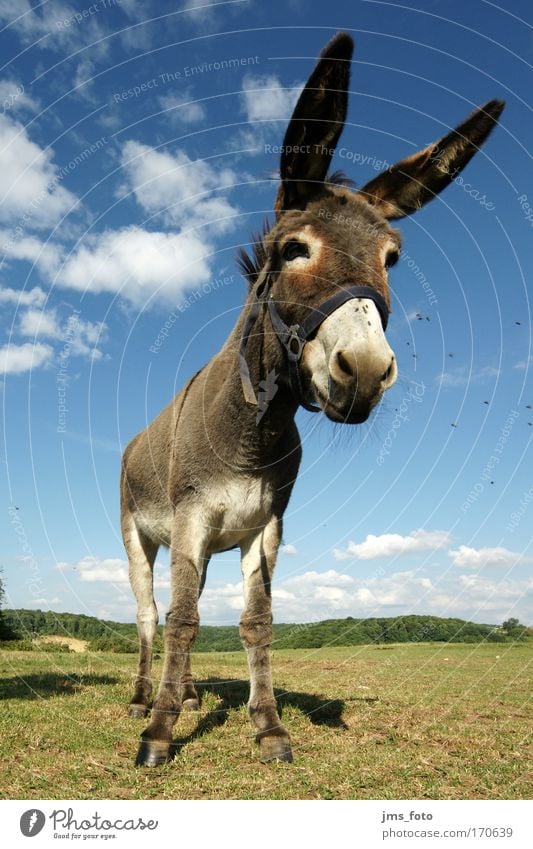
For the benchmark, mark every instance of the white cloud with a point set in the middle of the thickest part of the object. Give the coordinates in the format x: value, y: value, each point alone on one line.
x: 183, y: 191
x: 137, y: 264
x: 44, y: 602
x: 35, y: 322
x: 53, y: 26
x: 16, y: 359
x: 45, y: 255
x: 477, y: 558
x: 499, y: 599
x: 79, y: 336
x: 390, y: 545
x: 460, y: 377
x: 13, y: 97
x: 313, y: 596
x: 183, y: 109
x: 31, y: 297
x: 265, y: 99
x: 289, y: 549
x: 109, y: 571
x: 30, y: 193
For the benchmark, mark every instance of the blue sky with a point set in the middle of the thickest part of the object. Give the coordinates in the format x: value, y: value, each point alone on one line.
x: 134, y: 159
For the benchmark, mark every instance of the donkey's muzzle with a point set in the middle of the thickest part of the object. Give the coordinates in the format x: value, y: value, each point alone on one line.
x: 357, y: 380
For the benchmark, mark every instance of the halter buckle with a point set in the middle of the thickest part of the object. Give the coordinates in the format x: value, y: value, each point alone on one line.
x: 294, y: 344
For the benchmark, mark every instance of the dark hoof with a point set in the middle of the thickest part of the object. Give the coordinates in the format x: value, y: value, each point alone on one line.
x: 137, y: 711
x: 275, y: 749
x: 191, y: 704
x: 152, y: 753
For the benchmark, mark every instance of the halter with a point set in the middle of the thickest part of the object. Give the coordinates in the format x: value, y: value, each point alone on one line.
x: 293, y: 338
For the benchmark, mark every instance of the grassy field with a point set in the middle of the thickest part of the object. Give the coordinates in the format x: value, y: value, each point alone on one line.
x: 371, y: 722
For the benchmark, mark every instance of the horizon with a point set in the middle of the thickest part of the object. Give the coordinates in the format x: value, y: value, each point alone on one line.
x: 296, y: 624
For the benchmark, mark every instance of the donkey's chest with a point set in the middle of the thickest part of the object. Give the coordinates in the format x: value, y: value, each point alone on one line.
x: 235, y: 509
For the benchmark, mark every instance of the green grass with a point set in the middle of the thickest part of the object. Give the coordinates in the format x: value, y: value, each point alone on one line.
x: 376, y: 722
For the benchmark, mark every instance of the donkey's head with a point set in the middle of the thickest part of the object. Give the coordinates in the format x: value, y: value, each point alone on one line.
x: 329, y: 238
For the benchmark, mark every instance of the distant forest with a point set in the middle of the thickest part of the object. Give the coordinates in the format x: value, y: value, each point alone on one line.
x: 104, y: 635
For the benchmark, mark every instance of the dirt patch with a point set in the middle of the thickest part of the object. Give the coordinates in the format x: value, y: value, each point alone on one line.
x: 71, y: 642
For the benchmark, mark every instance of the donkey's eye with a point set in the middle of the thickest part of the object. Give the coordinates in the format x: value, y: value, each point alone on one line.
x: 391, y: 259
x: 294, y: 249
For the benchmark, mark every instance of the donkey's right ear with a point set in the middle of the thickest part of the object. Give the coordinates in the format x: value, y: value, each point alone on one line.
x: 316, y: 125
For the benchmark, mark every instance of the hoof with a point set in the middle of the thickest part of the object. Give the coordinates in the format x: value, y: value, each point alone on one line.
x: 191, y: 704
x: 152, y: 753
x: 137, y: 711
x: 275, y: 749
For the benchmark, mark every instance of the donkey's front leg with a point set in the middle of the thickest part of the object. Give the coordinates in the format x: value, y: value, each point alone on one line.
x: 182, y: 622
x: 141, y: 555
x: 258, y: 561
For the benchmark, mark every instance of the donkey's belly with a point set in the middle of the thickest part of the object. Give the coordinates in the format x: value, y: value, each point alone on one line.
x: 156, y: 523
x: 230, y: 513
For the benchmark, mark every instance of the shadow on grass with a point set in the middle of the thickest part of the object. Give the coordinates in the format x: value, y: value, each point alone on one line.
x: 49, y: 684
x: 234, y: 694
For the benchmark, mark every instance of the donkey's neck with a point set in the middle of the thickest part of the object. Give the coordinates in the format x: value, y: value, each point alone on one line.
x: 254, y: 436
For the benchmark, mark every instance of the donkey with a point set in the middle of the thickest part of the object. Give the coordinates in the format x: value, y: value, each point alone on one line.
x: 215, y: 470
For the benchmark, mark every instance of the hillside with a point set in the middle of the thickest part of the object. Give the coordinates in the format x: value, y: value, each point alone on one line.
x: 116, y: 636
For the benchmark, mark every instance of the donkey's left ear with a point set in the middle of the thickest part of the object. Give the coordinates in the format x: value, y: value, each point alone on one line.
x: 316, y: 125
x: 408, y: 185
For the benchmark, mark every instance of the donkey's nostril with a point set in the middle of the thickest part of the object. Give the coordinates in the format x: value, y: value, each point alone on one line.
x: 344, y: 364
x: 386, y: 375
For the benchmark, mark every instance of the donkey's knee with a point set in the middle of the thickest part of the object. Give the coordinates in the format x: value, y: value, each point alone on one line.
x: 181, y: 631
x: 256, y: 632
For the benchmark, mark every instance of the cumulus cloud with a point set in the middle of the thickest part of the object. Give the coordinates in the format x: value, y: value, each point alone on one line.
x: 391, y: 545
x: 108, y: 570
x: 183, y: 109
x: 29, y: 189
x: 17, y: 359
x: 137, y: 264
x: 182, y: 191
x: 289, y: 548
x: 265, y: 99
x: 53, y: 26
x: 14, y: 98
x: 24, y: 298
x: 45, y: 256
x: 476, y: 558
x: 80, y: 336
x: 314, y: 595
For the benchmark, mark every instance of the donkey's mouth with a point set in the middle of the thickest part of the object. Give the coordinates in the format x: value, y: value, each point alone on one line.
x: 352, y: 412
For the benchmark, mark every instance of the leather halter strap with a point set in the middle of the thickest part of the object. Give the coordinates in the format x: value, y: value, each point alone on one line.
x: 293, y: 338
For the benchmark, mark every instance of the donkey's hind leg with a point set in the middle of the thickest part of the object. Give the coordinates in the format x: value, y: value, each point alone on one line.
x: 258, y: 561
x: 141, y: 555
x: 189, y: 696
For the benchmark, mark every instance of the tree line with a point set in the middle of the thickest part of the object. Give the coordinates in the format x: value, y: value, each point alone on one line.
x: 105, y: 635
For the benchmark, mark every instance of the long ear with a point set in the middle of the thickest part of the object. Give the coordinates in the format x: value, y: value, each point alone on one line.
x: 316, y: 125
x: 414, y: 181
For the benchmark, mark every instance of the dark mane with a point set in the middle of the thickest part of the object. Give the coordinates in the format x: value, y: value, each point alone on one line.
x: 339, y: 178
x: 250, y: 265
